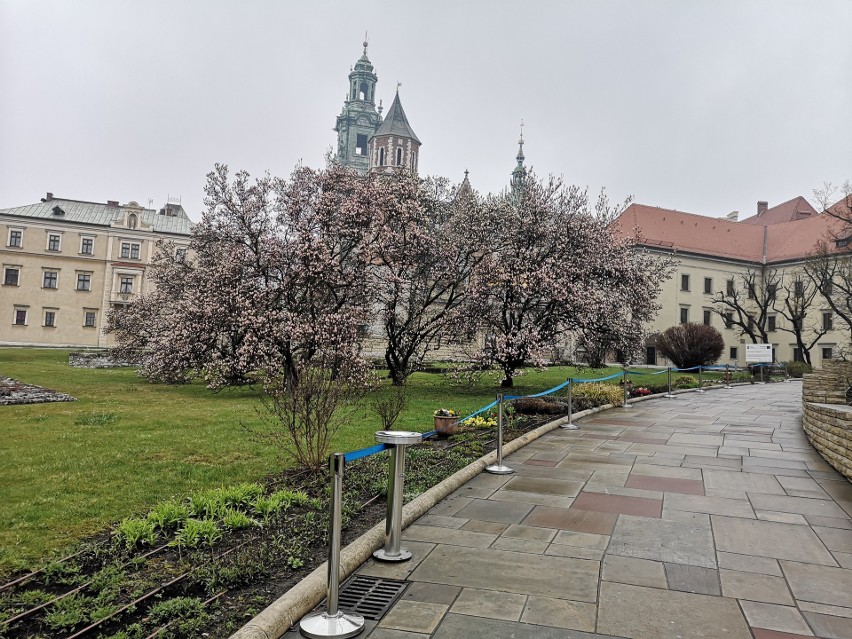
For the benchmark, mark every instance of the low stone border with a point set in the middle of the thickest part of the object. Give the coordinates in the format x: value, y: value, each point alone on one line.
x: 15, y: 393
x: 286, y: 611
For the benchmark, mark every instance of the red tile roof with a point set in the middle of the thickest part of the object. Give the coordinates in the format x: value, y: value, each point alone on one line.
x: 796, y: 209
x: 719, y: 237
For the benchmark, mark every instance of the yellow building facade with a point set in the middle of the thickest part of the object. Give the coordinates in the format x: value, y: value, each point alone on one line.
x: 66, y: 262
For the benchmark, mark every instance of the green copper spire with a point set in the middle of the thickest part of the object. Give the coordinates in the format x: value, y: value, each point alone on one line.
x: 359, y: 119
x: 520, y: 171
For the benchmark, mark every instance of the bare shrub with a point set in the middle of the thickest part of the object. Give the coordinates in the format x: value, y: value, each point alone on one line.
x: 388, y: 403
x: 689, y: 345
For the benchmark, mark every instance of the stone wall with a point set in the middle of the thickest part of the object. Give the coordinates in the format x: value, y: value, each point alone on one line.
x: 95, y: 359
x: 827, y: 419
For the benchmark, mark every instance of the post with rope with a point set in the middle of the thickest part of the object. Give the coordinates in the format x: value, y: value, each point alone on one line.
x: 760, y: 366
x: 499, y: 468
x: 398, y: 439
x: 570, y: 425
x: 624, y: 383
x: 669, y: 395
x: 700, y: 386
x: 332, y: 622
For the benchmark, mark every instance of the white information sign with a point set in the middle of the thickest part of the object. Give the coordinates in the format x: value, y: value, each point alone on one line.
x: 759, y: 353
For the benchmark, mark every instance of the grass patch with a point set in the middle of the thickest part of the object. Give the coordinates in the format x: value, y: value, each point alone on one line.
x: 144, y: 443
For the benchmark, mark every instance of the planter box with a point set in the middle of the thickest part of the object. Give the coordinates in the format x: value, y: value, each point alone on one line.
x: 446, y: 425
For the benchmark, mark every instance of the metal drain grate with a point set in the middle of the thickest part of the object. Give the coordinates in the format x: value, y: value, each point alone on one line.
x: 370, y: 597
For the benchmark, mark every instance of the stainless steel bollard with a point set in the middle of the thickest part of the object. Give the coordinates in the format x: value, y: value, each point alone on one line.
x: 499, y: 468
x: 700, y: 389
x: 624, y: 383
x: 331, y: 622
x: 570, y: 425
x: 399, y: 439
x: 670, y: 394
x: 727, y: 378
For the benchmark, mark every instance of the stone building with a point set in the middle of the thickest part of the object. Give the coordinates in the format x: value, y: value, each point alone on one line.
x: 715, y: 253
x: 66, y: 262
x: 365, y: 140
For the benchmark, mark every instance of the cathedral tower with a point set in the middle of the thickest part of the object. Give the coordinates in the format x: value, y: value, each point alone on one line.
x: 359, y: 119
x: 520, y: 171
x: 394, y: 145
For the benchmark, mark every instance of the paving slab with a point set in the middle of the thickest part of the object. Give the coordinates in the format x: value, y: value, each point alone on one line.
x: 820, y: 584
x: 521, y: 573
x: 634, y: 611
x: 769, y: 539
x: 490, y: 604
x: 560, y: 613
x: 663, y: 540
x: 773, y: 617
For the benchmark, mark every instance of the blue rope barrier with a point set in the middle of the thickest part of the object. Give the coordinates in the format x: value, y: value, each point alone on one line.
x: 365, y: 452
x: 599, y: 379
x: 684, y: 370
x: 541, y: 394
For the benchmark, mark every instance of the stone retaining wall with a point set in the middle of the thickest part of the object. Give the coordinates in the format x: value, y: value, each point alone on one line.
x: 827, y: 420
x: 95, y: 359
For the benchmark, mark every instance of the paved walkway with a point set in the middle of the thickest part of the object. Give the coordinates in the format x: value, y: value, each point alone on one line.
x: 702, y: 516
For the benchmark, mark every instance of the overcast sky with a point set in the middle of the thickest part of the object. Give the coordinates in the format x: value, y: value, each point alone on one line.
x: 704, y: 107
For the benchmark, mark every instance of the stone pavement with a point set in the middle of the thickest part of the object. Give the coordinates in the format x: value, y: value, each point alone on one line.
x: 702, y: 516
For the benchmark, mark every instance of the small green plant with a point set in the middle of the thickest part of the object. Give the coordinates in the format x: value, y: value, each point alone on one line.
x: 684, y: 381
x: 61, y: 572
x: 176, y: 608
x: 237, y: 519
x: 135, y: 531
x: 207, y: 504
x: 197, y: 532
x: 133, y: 631
x: 30, y: 598
x: 241, y: 494
x: 68, y: 612
x: 168, y: 515
x: 592, y: 394
x: 797, y: 369
x: 96, y: 418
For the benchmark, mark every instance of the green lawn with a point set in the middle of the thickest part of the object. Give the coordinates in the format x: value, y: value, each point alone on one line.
x: 68, y: 473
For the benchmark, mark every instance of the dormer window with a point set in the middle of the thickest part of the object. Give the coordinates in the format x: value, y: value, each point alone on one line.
x: 131, y: 221
x: 58, y: 212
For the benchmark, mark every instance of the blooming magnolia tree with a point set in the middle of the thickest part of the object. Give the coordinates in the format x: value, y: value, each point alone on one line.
x: 427, y: 239
x: 556, y: 267
x: 274, y: 280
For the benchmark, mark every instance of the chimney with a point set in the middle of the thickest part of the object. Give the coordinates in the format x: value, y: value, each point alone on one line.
x: 761, y: 207
x: 734, y: 216
x: 49, y: 196
x: 112, y: 202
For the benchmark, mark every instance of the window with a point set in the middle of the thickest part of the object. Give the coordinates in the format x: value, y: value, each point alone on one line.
x: 827, y: 322
x: 89, y: 319
x: 827, y: 287
x: 799, y: 288
x: 770, y: 323
x: 827, y: 352
x: 733, y: 352
x: 11, y: 276
x: 399, y: 156
x: 798, y: 356
x: 361, y: 144
x: 180, y: 255
x: 751, y: 322
x: 51, y: 279
x: 84, y: 281
x: 708, y: 285
x: 87, y: 245
x: 126, y: 285
x: 771, y: 291
x: 381, y: 157
x: 16, y: 237
x: 20, y: 317
x: 707, y: 314
x: 684, y: 315
x: 684, y: 282
x: 130, y: 250
x: 751, y: 293
x: 50, y: 318
x: 729, y: 320
x: 729, y: 287
x: 53, y: 241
